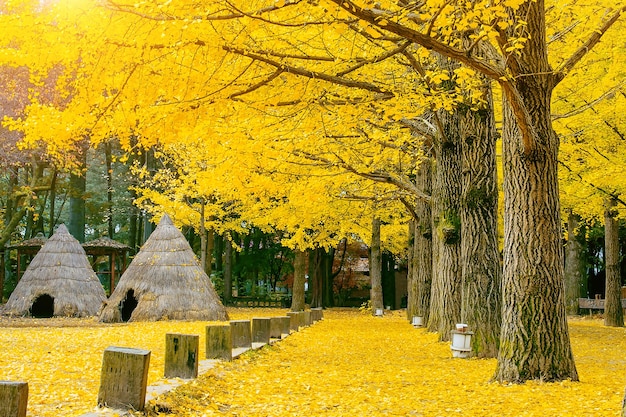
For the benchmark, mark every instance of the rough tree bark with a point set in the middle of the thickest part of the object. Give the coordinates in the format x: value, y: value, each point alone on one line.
x: 481, y: 306
x: 534, y: 342
x: 299, y: 272
x: 445, y: 303
x: 575, y: 280
x: 422, y: 255
x: 376, y: 292
x: 613, y: 313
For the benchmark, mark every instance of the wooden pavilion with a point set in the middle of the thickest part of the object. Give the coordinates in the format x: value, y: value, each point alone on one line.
x: 116, y: 253
x: 26, y: 250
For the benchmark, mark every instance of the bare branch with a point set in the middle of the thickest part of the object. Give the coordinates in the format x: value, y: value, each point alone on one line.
x: 401, y: 48
x: 311, y: 74
x: 425, y: 40
x: 378, y: 176
x: 590, y: 43
x: 257, y: 85
x: 608, y: 94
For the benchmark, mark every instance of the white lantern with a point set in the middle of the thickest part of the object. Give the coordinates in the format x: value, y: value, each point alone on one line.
x: 461, y: 343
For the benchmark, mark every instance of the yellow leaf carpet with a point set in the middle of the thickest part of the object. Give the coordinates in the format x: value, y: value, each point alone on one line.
x: 350, y: 364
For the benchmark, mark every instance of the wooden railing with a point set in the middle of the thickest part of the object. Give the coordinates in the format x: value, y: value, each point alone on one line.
x: 264, y: 301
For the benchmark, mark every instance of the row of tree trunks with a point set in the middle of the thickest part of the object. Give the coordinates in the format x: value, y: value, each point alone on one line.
x: 445, y: 303
x: 421, y: 266
x: 481, y: 271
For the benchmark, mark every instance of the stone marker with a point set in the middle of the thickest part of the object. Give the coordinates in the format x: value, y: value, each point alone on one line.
x: 308, y: 318
x: 279, y: 326
x: 219, y: 344
x: 261, y: 330
x: 124, y: 378
x: 297, y: 320
x: 13, y: 398
x: 241, y: 334
x: 181, y: 355
x: 317, y: 314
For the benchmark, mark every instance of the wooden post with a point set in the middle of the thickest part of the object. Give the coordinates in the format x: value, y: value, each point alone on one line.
x: 219, y: 343
x: 181, y: 355
x: 261, y: 330
x: 240, y: 332
x: 307, y: 318
x: 124, y: 378
x: 296, y: 320
x: 279, y: 326
x: 317, y: 314
x: 13, y: 398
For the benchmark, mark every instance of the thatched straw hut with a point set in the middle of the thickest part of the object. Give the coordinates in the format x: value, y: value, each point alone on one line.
x: 58, y: 282
x: 164, y: 281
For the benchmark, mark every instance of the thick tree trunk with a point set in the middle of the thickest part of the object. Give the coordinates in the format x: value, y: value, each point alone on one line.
x: 481, y: 305
x: 423, y: 246
x: 299, y: 272
x: 613, y: 314
x: 575, y: 279
x: 376, y: 292
x: 534, y: 342
x: 445, y: 303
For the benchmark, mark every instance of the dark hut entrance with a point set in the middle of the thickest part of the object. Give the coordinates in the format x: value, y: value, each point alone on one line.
x: 43, y: 307
x: 128, y: 305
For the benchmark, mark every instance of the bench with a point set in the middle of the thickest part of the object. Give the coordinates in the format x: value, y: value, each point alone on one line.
x: 595, y: 303
x: 283, y: 302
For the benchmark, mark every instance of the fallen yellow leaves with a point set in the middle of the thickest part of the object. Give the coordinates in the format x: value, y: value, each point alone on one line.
x: 61, y: 359
x: 349, y: 364
x: 357, y: 365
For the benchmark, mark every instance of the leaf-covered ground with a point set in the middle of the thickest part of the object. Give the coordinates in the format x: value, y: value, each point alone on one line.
x: 349, y: 364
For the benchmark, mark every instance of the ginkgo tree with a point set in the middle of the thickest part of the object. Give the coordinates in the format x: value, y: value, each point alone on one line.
x: 151, y: 71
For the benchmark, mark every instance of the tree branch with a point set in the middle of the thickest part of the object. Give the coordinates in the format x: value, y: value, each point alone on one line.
x: 257, y: 85
x: 310, y: 74
x: 589, y: 44
x: 424, y: 40
x: 401, y: 48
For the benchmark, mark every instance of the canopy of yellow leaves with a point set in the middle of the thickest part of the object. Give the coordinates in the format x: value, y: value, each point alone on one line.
x: 349, y: 364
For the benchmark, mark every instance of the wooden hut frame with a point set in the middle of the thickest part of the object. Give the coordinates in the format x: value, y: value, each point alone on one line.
x: 27, y: 248
x: 115, y: 252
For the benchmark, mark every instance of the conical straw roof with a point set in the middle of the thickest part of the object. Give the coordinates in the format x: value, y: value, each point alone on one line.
x: 62, y: 271
x: 167, y: 282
